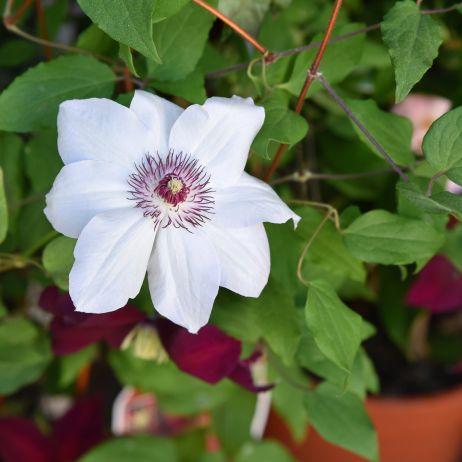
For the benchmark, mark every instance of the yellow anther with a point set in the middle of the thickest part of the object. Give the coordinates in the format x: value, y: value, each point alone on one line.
x: 175, y: 185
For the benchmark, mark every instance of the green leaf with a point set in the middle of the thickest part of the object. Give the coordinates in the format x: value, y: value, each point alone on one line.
x: 34, y: 230
x: 166, y: 8
x: 11, y: 161
x: 232, y: 420
x: 272, y: 316
x: 356, y: 158
x: 24, y: 354
x: 191, y: 88
x: 3, y: 309
x: 43, y: 162
x: 127, y: 21
x: 449, y: 201
x: 342, y: 420
x: 442, y: 145
x: 441, y: 202
x: 393, y: 132
x: 3, y: 209
x: 288, y: 401
x: 58, y: 258
x: 140, y: 448
x: 413, y: 40
x: 69, y: 366
x: 212, y: 457
x: 46, y: 85
x: 382, y: 237
x: 180, y: 40
x: 95, y: 40
x: 281, y: 125
x: 361, y: 379
x: 247, y: 13
x: 336, y: 329
x: 267, y: 451
x: 340, y: 59
x: 16, y: 51
x: 125, y: 54
x: 395, y: 316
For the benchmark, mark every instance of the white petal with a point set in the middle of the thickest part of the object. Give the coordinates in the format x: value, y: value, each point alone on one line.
x: 244, y: 258
x: 219, y: 134
x: 111, y: 257
x: 249, y: 202
x: 101, y: 129
x: 158, y: 114
x: 81, y: 191
x: 184, y: 276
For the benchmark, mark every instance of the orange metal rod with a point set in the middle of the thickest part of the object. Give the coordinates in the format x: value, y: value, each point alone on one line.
x: 309, y: 79
x: 43, y: 28
x: 233, y: 25
x: 14, y: 18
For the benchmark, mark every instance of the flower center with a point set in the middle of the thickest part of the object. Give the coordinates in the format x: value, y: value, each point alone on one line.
x: 173, y: 190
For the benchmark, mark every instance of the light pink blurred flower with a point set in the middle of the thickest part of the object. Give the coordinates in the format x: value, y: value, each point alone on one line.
x: 453, y: 188
x: 422, y: 111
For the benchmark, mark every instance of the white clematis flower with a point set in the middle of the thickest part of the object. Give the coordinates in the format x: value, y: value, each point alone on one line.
x: 160, y: 189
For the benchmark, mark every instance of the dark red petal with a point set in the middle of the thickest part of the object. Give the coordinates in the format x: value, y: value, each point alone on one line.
x: 21, y: 441
x: 210, y: 355
x: 69, y: 339
x: 243, y: 377
x: 71, y: 331
x: 438, y: 287
x: 60, y: 304
x: 81, y: 428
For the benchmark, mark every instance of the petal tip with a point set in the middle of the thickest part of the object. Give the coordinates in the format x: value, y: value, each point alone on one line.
x: 295, y: 219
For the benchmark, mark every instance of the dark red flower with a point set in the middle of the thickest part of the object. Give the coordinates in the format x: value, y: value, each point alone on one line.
x: 210, y: 355
x: 78, y: 430
x: 438, y: 287
x: 71, y: 331
x: 21, y: 441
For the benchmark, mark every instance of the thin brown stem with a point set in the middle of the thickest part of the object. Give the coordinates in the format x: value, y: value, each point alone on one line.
x: 127, y: 79
x: 43, y: 29
x: 432, y: 182
x: 14, y: 18
x: 308, y: 81
x: 317, y: 44
x: 59, y: 46
x: 332, y: 210
x: 306, y: 175
x: 308, y: 246
x: 244, y: 34
x: 443, y: 10
x: 361, y: 126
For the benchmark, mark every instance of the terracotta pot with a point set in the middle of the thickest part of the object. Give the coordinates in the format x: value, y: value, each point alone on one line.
x: 423, y: 429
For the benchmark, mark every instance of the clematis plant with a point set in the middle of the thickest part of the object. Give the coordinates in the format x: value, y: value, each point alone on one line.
x: 158, y: 189
x: 133, y: 185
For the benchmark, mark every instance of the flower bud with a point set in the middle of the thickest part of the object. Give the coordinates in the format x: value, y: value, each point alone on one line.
x: 144, y: 341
